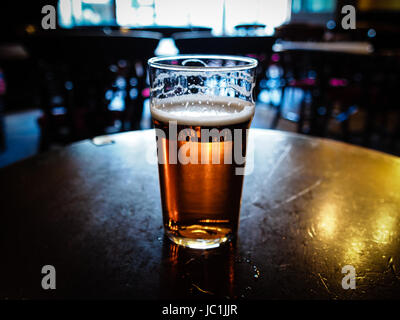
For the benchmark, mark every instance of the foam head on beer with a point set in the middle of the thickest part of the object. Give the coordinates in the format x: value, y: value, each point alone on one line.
x: 202, y: 110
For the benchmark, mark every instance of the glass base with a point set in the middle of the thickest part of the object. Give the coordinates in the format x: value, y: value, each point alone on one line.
x: 198, y: 243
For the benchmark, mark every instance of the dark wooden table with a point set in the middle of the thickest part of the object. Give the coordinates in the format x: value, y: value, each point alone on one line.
x: 310, y: 207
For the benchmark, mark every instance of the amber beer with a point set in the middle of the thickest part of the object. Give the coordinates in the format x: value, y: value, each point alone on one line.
x: 199, y: 140
x: 201, y: 106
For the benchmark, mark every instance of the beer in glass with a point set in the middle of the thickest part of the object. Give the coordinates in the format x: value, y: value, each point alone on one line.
x: 202, y: 107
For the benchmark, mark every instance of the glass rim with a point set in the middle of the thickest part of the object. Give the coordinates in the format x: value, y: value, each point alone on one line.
x: 157, y: 62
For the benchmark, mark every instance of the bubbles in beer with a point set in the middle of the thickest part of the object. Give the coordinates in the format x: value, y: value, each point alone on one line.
x: 201, y: 192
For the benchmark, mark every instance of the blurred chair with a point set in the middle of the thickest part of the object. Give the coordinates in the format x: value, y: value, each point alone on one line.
x: 332, y: 85
x: 203, y: 42
x: 79, y: 68
x: 365, y: 83
x: 168, y: 31
x: 301, y: 70
x: 345, y: 85
x: 382, y: 102
x: 249, y: 29
x: 300, y: 32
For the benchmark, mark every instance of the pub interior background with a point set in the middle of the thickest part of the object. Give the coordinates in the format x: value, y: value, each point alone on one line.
x: 88, y: 76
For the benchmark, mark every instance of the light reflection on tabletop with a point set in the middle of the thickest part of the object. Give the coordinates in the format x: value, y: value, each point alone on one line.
x: 314, y: 207
x: 309, y: 208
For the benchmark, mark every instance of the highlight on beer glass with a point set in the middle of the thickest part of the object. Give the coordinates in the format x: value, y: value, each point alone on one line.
x: 202, y: 107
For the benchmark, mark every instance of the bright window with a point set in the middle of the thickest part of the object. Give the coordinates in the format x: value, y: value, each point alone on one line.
x: 85, y: 12
x: 207, y: 13
x: 272, y: 13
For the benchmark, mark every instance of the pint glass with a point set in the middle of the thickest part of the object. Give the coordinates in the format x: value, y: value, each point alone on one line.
x: 201, y: 108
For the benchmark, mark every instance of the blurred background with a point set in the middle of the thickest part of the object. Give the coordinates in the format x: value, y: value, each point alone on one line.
x: 87, y: 77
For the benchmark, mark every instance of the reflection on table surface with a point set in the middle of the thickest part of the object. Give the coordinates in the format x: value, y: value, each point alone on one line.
x: 309, y: 208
